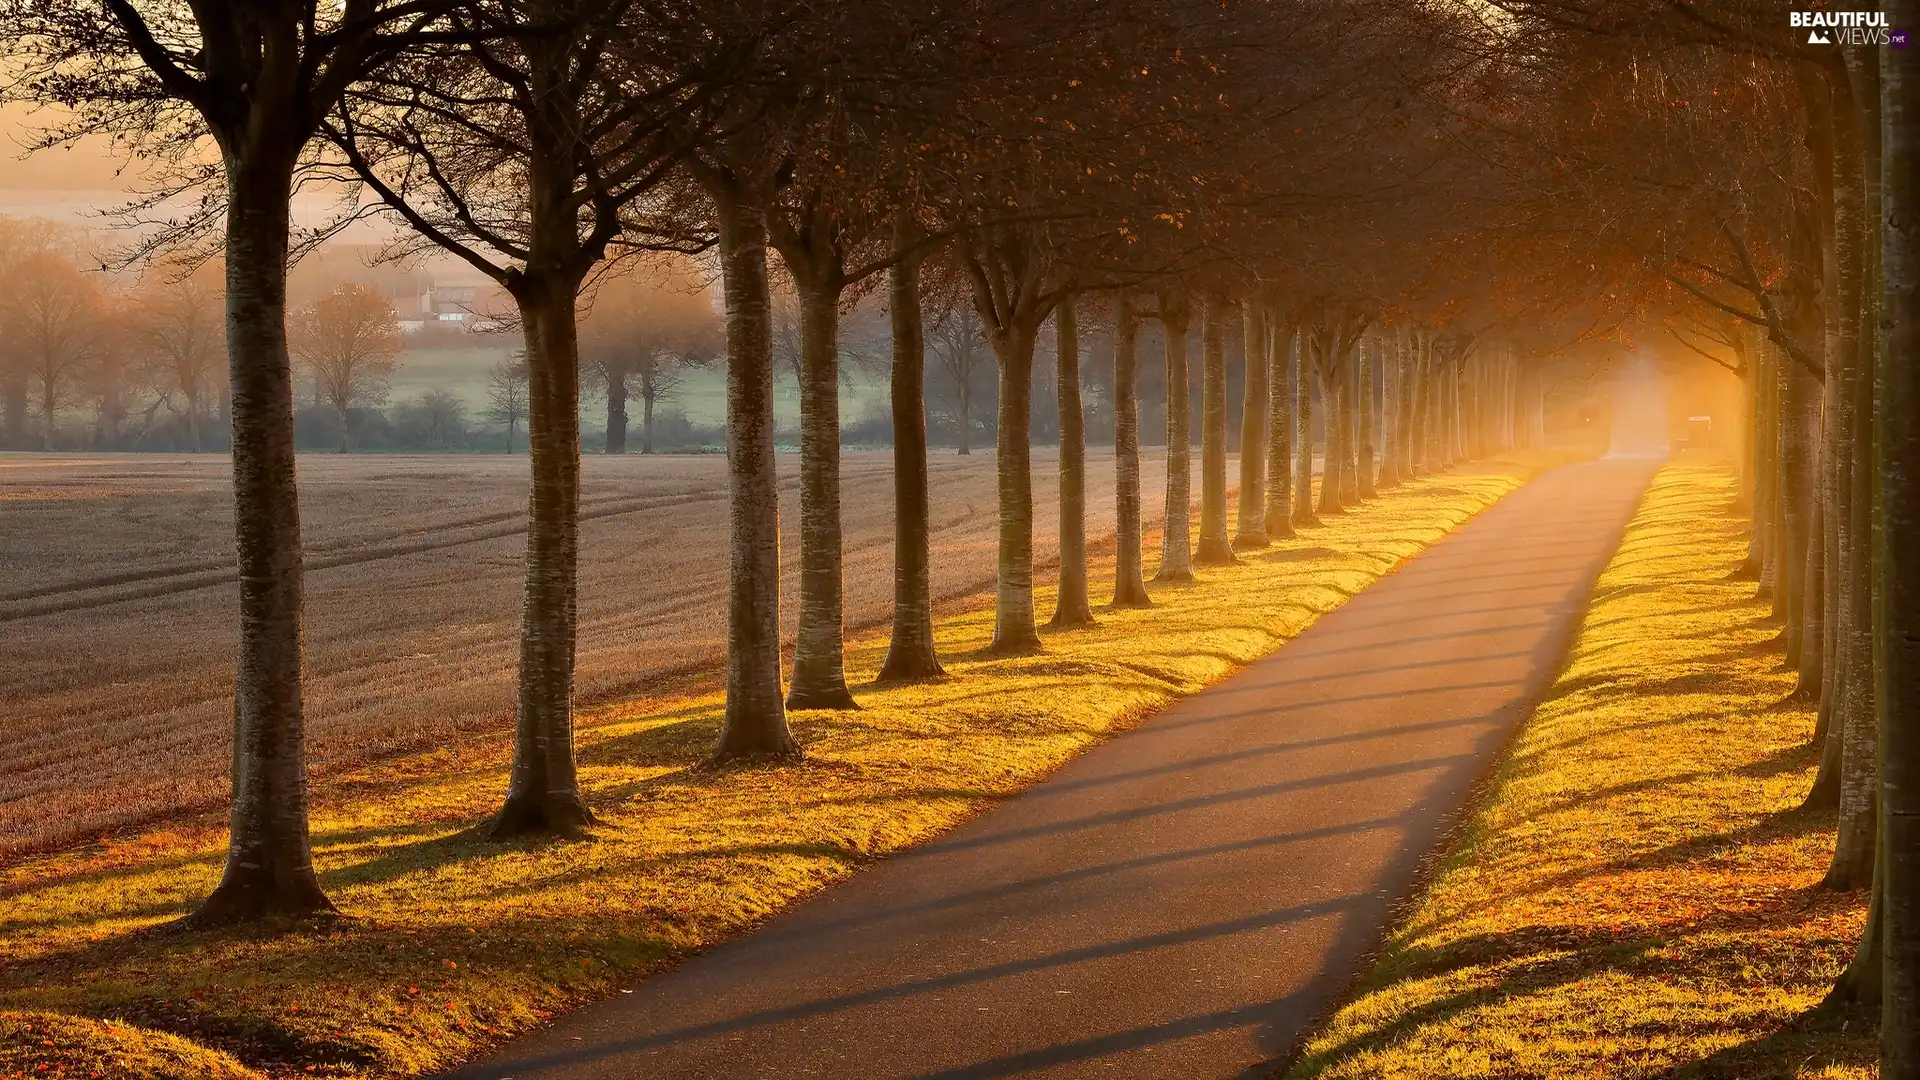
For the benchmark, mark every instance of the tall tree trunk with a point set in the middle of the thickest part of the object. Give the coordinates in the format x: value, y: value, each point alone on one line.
x: 1283, y: 405
x: 269, y: 865
x: 1421, y: 429
x: 1363, y: 405
x: 543, y: 791
x: 819, y: 654
x: 193, y: 425
x: 1176, y: 538
x: 1854, y: 704
x: 1303, y: 460
x: 1129, y: 586
x: 966, y: 415
x: 1216, y: 546
x: 910, y: 654
x: 648, y: 396
x: 339, y: 410
x: 1391, y: 389
x: 1334, y: 428
x: 1071, y: 606
x: 1252, y: 531
x: 1014, y: 632
x: 755, y: 724
x: 616, y: 409
x: 1765, y: 510
x: 1897, y: 657
x: 1796, y: 438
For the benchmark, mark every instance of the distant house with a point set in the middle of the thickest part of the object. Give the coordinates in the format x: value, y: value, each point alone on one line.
x: 449, y: 307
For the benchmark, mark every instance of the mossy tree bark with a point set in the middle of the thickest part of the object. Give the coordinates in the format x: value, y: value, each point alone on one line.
x: 1251, y: 531
x: 910, y: 653
x: 1216, y: 545
x: 1283, y: 406
x: 1176, y: 537
x: 1071, y: 606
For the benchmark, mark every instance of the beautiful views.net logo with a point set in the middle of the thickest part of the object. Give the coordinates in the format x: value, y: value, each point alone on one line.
x: 1848, y: 28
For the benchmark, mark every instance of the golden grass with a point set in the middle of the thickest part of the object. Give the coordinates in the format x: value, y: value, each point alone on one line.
x: 1637, y: 898
x: 450, y: 943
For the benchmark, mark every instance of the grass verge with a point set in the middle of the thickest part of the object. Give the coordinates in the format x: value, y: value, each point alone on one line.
x: 450, y: 943
x: 1637, y: 896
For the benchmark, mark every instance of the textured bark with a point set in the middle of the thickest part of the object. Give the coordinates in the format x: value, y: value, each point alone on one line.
x: 1303, y: 456
x: 1176, y: 538
x: 543, y: 791
x: 1129, y: 584
x: 1252, y: 525
x: 910, y: 653
x: 1363, y: 455
x: 1216, y: 545
x: 819, y: 666
x: 1014, y: 632
x: 1897, y: 656
x: 755, y: 722
x: 1283, y: 407
x: 269, y: 867
x: 1853, y: 707
x: 1071, y: 606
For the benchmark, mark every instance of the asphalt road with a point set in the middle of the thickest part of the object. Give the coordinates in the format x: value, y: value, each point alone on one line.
x: 1179, y: 902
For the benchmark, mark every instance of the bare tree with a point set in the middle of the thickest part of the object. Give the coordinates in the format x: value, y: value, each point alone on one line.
x: 348, y: 340
x: 55, y: 315
x: 181, y: 313
x: 962, y: 353
x: 646, y: 330
x: 507, y: 394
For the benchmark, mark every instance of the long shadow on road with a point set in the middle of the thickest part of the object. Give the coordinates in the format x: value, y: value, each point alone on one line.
x: 1177, y: 902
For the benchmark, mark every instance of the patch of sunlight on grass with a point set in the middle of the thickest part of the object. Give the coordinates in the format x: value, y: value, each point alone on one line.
x: 450, y: 943
x: 1637, y: 897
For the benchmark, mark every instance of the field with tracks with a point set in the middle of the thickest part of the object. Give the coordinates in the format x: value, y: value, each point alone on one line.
x: 117, y: 635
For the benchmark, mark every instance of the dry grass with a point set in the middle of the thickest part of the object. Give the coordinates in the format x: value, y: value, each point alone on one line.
x: 450, y: 943
x: 116, y: 608
x: 1638, y: 897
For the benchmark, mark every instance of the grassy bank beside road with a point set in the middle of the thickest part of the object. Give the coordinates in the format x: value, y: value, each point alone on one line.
x: 448, y: 943
x: 1638, y: 896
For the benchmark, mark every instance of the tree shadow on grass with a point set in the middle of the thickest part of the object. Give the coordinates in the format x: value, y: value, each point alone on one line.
x: 1797, y: 758
x: 1814, y: 1040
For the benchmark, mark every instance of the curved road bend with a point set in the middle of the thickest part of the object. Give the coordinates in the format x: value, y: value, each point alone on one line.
x: 1178, y: 902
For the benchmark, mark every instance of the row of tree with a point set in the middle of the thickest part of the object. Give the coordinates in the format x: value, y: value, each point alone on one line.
x: 1750, y: 183
x: 1403, y: 208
